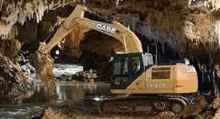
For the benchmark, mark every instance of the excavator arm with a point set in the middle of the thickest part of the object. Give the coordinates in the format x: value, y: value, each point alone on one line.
x: 130, y: 41
x: 44, y: 63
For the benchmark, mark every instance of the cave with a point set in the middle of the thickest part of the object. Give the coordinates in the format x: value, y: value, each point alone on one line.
x: 171, y: 30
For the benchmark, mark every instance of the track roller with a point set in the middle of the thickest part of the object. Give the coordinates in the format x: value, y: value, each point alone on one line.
x: 177, y: 107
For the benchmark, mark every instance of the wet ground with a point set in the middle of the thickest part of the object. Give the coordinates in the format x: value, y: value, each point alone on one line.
x: 75, y: 99
x: 67, y: 92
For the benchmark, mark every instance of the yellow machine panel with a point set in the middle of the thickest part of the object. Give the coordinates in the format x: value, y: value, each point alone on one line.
x: 138, y: 84
x: 170, y: 79
x: 186, y: 79
x: 160, y: 79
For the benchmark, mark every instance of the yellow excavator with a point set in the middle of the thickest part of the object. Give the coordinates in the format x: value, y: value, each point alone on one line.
x: 136, y: 83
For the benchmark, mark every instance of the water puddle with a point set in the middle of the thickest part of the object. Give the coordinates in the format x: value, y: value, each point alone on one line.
x: 66, y: 92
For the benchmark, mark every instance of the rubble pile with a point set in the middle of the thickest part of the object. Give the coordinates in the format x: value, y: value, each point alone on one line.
x: 85, y: 76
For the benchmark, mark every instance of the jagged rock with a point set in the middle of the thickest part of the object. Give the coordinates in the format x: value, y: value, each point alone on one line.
x: 23, y: 61
x: 216, y: 105
x: 87, y: 76
x: 13, y: 82
x: 10, y: 48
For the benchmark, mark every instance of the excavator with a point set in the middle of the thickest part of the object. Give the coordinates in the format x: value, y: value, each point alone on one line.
x: 137, y: 85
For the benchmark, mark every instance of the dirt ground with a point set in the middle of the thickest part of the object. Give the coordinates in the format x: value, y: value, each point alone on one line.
x: 88, y: 110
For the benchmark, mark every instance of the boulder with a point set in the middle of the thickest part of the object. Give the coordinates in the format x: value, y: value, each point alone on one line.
x: 13, y: 82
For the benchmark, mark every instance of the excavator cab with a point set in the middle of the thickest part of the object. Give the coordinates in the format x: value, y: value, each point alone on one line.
x: 128, y: 67
x: 134, y: 73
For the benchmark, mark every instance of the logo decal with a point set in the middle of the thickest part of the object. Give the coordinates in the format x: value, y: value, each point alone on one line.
x: 156, y: 85
x: 105, y: 28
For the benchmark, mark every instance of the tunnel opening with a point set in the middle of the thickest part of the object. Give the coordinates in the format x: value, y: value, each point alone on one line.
x: 97, y: 49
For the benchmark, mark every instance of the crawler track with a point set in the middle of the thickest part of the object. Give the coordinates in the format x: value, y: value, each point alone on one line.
x: 143, y: 104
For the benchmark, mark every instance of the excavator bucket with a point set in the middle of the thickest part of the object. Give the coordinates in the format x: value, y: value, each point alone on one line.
x: 44, y: 66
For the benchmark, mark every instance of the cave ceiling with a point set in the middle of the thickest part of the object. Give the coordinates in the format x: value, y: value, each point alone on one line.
x: 178, y: 22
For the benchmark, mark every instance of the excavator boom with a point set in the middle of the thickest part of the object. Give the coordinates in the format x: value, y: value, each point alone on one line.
x: 130, y: 41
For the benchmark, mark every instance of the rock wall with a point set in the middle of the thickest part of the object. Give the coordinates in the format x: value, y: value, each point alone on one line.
x: 10, y: 48
x: 13, y: 81
x: 171, y: 21
x: 188, y: 27
x: 72, y: 42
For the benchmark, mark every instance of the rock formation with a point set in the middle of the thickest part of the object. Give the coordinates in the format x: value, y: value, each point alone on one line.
x: 182, y: 28
x: 13, y: 81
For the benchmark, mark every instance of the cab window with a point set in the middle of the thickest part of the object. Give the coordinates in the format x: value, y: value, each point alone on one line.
x: 121, y: 66
x: 135, y: 64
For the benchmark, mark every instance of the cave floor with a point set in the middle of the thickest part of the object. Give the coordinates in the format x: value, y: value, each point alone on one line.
x: 75, y: 99
x: 73, y: 93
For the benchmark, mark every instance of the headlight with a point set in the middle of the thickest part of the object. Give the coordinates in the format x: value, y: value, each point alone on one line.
x: 190, y: 69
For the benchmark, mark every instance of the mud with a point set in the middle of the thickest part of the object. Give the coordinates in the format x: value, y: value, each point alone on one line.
x: 88, y: 110
x: 44, y: 67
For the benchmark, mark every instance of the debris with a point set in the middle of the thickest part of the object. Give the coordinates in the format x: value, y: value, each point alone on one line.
x: 216, y: 105
x: 44, y: 66
x: 198, y: 106
x: 85, y: 76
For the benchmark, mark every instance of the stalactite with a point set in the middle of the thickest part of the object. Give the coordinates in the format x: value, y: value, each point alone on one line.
x: 1, y: 4
x: 21, y: 12
x: 163, y: 23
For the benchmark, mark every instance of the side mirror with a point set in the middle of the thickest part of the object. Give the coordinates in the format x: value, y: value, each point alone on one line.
x: 187, y: 62
x: 147, y: 59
